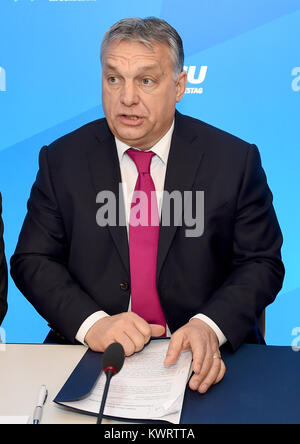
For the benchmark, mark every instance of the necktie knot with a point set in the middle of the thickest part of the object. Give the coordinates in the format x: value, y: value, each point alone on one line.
x: 142, y: 159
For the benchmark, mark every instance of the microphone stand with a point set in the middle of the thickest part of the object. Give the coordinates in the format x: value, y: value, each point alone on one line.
x: 112, y: 362
x: 110, y: 372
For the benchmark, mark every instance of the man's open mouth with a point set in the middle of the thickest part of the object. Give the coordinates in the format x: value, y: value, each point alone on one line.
x: 131, y: 117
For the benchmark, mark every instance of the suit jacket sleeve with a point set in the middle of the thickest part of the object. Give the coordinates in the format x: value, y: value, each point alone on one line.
x: 3, y: 271
x: 257, y: 271
x: 39, y: 265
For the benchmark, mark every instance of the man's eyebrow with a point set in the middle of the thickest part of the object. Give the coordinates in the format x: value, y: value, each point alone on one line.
x: 110, y: 67
x: 148, y: 67
x: 152, y: 67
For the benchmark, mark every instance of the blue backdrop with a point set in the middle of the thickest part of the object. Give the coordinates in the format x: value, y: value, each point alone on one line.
x: 243, y: 62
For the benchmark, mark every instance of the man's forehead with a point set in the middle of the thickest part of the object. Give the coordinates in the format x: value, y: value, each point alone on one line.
x: 133, y: 52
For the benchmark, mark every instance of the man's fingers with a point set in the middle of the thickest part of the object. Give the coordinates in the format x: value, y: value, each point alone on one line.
x: 142, y: 326
x: 214, y: 375
x: 136, y: 337
x: 199, y: 354
x: 126, y: 342
x: 138, y: 333
x: 221, y: 373
x: 174, y: 350
x: 202, y: 363
x: 157, y: 330
x: 132, y: 331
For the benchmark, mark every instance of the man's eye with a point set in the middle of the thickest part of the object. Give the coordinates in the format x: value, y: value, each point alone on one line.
x: 147, y: 82
x: 112, y: 80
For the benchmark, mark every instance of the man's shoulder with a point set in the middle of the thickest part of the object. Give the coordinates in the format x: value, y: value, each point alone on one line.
x: 80, y: 139
x: 211, y: 136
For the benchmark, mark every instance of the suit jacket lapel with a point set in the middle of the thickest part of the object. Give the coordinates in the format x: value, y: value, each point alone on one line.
x: 106, y: 175
x: 183, y: 163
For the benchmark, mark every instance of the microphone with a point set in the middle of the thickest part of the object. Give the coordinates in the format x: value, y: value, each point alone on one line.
x: 112, y: 362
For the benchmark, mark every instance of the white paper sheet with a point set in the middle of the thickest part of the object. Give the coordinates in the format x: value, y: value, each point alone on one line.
x: 144, y: 388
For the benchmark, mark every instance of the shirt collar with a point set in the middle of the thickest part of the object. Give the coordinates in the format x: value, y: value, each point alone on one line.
x: 161, y: 148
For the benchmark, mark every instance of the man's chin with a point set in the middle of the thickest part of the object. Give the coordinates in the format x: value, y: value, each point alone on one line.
x: 132, y: 137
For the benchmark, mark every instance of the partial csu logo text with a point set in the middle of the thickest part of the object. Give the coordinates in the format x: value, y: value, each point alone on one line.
x: 195, y: 77
x: 2, y: 79
x: 296, y: 79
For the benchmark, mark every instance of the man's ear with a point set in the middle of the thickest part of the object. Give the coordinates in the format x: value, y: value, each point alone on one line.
x: 181, y: 86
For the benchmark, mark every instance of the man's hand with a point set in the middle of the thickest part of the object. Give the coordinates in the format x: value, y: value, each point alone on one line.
x: 208, y: 366
x: 129, y: 329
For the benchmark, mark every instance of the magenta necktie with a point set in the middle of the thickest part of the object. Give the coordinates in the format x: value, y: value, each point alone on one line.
x: 143, y: 242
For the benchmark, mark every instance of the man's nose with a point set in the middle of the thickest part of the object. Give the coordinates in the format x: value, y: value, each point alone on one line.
x: 129, y: 94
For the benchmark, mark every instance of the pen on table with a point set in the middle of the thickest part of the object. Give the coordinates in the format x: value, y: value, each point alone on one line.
x: 40, y: 404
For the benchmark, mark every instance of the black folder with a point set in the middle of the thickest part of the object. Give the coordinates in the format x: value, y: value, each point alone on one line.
x: 261, y: 386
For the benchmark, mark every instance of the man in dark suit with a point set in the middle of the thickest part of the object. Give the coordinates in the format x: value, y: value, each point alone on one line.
x: 3, y: 271
x: 99, y: 282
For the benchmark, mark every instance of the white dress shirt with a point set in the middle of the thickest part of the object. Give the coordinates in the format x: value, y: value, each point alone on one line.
x: 129, y: 176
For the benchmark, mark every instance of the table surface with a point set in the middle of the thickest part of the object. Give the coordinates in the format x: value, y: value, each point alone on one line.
x: 260, y: 386
x: 24, y: 368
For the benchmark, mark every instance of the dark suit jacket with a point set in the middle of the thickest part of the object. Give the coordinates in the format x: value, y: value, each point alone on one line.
x: 3, y: 271
x: 68, y: 267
